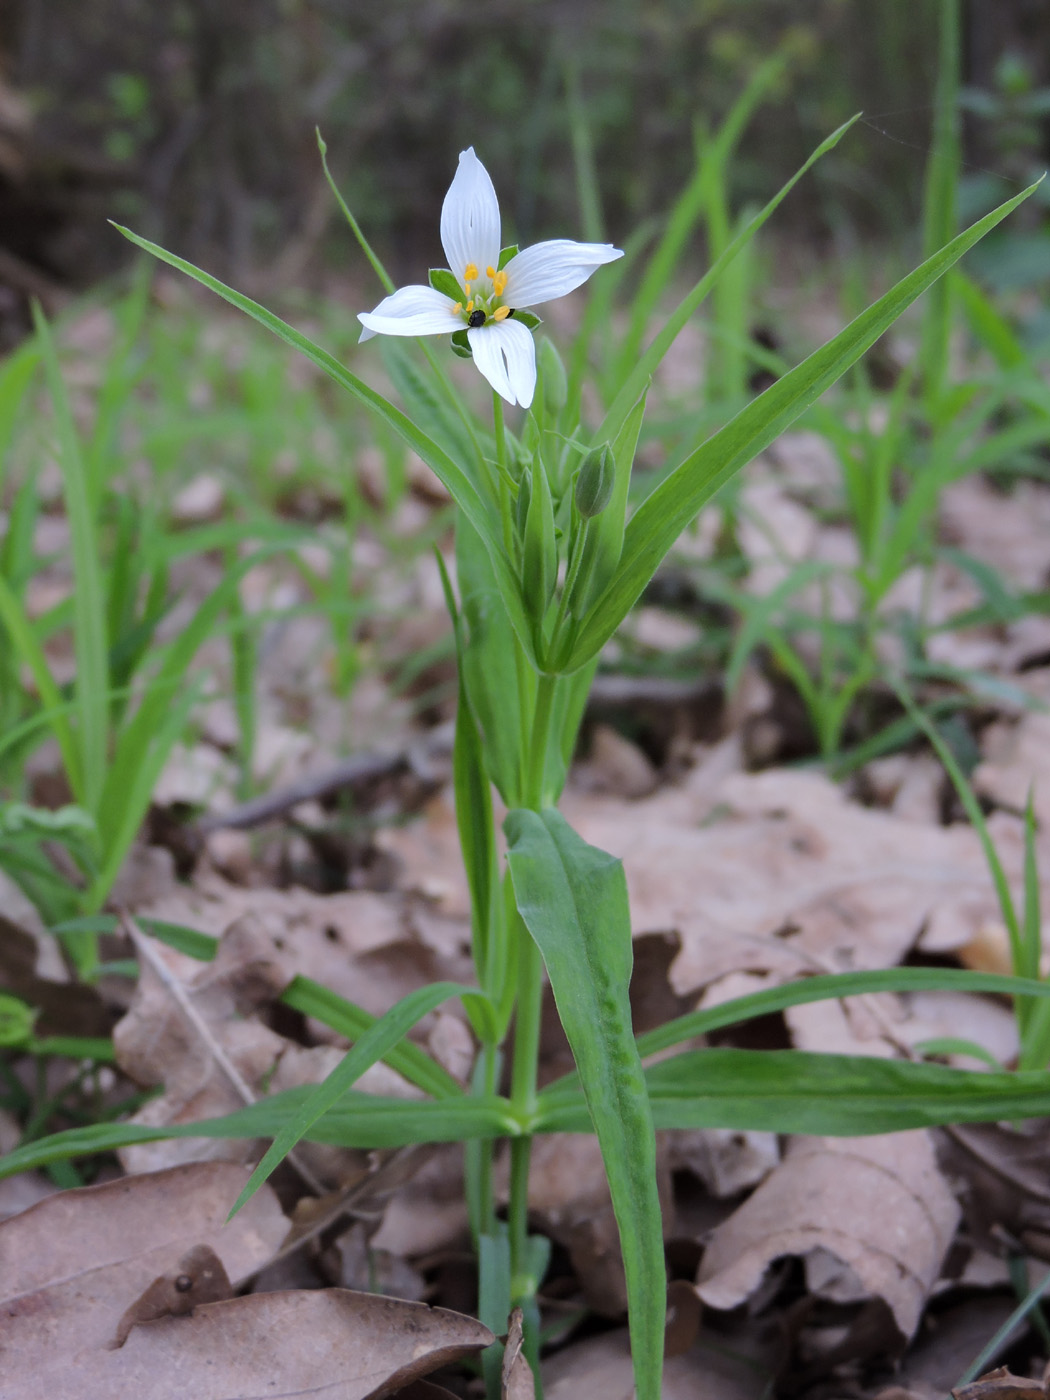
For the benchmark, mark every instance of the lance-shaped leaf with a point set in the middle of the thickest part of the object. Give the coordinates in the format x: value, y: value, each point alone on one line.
x: 573, y: 900
x: 676, y: 501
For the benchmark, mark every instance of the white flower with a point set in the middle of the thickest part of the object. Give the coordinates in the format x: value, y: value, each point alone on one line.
x: 502, y: 347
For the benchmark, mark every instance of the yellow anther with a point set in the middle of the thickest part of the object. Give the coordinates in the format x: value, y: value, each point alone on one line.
x: 470, y: 306
x: 491, y: 272
x: 499, y: 283
x: 457, y: 309
x: 471, y: 273
x: 501, y: 313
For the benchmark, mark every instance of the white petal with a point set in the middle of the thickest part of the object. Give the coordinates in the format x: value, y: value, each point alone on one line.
x: 410, y: 311
x: 549, y: 270
x: 505, y: 354
x: 470, y: 218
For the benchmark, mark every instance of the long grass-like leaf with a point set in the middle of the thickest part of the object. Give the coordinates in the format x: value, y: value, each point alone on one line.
x: 676, y: 501
x: 56, y: 711
x: 573, y: 900
x: 89, y: 614
x: 373, y: 1045
x: 478, y: 508
x: 634, y: 385
x: 795, y: 1091
x: 361, y: 1120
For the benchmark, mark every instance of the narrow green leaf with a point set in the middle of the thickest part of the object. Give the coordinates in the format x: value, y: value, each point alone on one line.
x: 792, y: 1091
x: 56, y: 712
x: 360, y: 1120
x: 89, y: 614
x: 479, y: 509
x: 373, y: 1045
x: 312, y: 999
x: 573, y: 900
x: 475, y: 820
x: 676, y: 501
x: 648, y: 363
x: 795, y: 1091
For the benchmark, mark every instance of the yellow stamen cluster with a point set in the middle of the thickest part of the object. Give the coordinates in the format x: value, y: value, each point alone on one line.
x: 487, y: 302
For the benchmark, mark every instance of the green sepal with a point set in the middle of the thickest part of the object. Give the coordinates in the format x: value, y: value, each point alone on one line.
x: 443, y: 281
x: 461, y: 345
x: 505, y: 256
x: 527, y: 318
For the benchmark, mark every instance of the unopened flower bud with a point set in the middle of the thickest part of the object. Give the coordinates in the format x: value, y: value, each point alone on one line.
x: 594, y: 484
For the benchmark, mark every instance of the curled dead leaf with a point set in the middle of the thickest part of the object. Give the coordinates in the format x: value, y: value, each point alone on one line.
x: 872, y: 1218
x: 198, y: 1277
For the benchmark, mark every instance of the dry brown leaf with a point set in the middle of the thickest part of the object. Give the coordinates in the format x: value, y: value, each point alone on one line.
x: 1017, y: 760
x: 71, y: 1265
x: 779, y: 871
x: 517, y: 1378
x: 198, y: 1277
x: 871, y: 1217
x: 1003, y: 1170
x: 1001, y: 1384
x: 600, y: 1369
x: 348, y: 1345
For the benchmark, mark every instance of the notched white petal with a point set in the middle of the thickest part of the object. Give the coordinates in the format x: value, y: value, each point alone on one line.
x: 505, y: 355
x: 470, y: 224
x: 553, y: 269
x: 410, y: 311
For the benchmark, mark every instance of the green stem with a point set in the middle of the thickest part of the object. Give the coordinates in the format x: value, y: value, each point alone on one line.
x: 523, y: 1097
x: 536, y: 763
x: 527, y: 1022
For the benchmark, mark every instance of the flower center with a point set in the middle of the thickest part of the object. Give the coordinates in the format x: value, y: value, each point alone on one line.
x: 483, y: 297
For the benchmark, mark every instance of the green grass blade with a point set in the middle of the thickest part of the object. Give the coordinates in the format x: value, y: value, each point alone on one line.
x: 795, y: 1091
x: 139, y: 783
x: 792, y: 1091
x: 363, y: 1120
x: 56, y: 711
x: 635, y: 384
x: 940, y: 198
x: 824, y: 987
x: 973, y: 811
x: 411, y: 1061
x: 311, y: 999
x: 373, y: 1045
x: 573, y: 900
x: 89, y: 614
x: 676, y: 501
x: 478, y: 508
x: 16, y: 375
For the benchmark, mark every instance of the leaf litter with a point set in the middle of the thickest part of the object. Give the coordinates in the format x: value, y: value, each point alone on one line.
x: 747, y: 879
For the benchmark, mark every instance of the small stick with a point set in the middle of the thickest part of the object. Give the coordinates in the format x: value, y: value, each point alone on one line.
x: 178, y: 994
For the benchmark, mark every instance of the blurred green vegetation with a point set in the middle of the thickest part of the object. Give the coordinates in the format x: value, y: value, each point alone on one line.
x: 194, y: 119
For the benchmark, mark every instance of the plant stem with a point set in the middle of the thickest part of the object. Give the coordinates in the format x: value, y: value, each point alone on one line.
x: 523, y: 1098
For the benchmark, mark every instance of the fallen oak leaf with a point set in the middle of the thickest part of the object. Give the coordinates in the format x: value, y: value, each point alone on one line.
x: 351, y: 1346
x: 199, y: 1277
x: 70, y: 1264
x: 1000, y: 1384
x: 872, y: 1217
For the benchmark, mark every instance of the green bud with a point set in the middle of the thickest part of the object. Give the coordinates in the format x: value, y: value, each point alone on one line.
x: 554, y: 379
x: 594, y: 482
